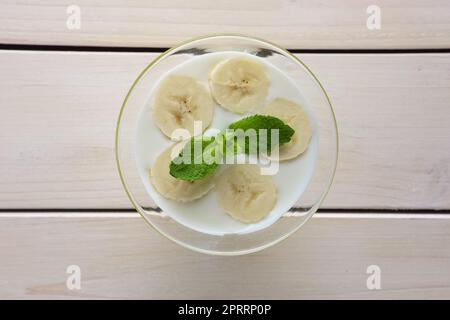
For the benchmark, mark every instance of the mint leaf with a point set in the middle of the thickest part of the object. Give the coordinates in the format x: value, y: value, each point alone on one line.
x: 201, y: 156
x: 259, y: 123
x: 227, y: 143
x: 195, y: 161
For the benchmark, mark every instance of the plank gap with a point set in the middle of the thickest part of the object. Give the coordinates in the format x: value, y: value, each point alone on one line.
x: 56, y: 48
x: 325, y: 211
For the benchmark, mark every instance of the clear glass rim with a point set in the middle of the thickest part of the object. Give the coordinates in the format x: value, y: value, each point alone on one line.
x: 139, y: 209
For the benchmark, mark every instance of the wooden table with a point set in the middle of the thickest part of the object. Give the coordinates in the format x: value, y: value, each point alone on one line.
x: 62, y: 203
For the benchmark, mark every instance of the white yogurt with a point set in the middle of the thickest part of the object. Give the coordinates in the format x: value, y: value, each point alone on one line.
x: 205, y: 215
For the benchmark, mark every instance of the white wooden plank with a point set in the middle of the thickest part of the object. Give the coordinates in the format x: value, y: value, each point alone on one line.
x: 293, y: 24
x: 59, y: 112
x: 123, y: 258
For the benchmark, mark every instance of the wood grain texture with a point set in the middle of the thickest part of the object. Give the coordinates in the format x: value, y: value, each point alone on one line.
x: 295, y: 24
x: 59, y: 112
x: 123, y: 258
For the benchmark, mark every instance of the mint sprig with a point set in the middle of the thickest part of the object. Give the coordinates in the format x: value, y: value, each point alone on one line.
x: 262, y: 122
x: 193, y: 163
x: 201, y: 156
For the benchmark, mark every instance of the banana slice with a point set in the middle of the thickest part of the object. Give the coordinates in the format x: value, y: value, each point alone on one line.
x: 179, y: 101
x: 245, y: 194
x: 239, y: 84
x: 175, y: 189
x: 297, y: 118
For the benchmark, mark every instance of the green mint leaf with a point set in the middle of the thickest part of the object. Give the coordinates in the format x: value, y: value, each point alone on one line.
x: 260, y: 123
x: 201, y: 156
x: 227, y: 143
x: 196, y: 160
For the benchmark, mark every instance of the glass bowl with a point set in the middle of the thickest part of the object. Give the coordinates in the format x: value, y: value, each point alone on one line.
x: 229, y: 244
